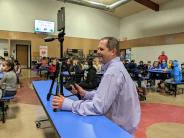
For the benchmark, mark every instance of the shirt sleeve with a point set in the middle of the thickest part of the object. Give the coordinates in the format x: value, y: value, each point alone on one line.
x: 67, y: 103
x: 100, y: 102
x: 89, y: 95
x: 3, y: 80
x: 166, y: 58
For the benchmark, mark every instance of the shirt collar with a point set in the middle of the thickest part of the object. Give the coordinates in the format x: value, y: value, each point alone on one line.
x: 105, y: 66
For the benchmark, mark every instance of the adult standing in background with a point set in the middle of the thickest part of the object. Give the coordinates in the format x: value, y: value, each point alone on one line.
x: 116, y: 96
x: 162, y: 57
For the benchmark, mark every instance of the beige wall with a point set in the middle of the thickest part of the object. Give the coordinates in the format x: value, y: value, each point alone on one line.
x: 54, y: 46
x: 82, y: 22
x: 169, y: 20
x: 150, y: 23
x: 86, y: 26
x: 83, y: 25
x: 151, y: 53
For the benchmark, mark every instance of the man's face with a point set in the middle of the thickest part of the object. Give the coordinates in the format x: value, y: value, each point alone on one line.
x: 105, y: 55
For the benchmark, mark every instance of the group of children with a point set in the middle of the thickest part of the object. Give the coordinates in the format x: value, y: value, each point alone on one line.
x: 142, y: 71
x: 84, y: 72
x: 172, y: 66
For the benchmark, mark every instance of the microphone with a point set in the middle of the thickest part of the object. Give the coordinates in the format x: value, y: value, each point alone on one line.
x: 49, y: 39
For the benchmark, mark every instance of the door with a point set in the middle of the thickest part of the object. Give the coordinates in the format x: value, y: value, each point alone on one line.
x: 22, y: 55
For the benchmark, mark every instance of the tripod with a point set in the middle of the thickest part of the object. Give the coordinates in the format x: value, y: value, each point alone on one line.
x: 59, y: 84
x: 58, y: 72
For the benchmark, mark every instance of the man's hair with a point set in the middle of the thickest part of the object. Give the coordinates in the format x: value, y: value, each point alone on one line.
x: 112, y: 43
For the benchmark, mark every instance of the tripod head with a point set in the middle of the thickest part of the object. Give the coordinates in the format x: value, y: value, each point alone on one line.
x: 61, y: 35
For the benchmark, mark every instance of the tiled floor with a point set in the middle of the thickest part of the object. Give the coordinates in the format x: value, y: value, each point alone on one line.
x: 162, y: 115
x: 20, y: 122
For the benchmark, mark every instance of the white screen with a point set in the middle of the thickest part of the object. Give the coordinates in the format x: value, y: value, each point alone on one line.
x: 44, y: 26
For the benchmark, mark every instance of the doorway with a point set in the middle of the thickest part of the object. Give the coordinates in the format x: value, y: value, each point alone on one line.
x: 22, y: 55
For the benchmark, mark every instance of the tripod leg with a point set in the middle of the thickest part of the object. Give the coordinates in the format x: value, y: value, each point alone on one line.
x: 51, y: 87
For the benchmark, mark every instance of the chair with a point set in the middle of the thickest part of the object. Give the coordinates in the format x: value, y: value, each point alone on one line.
x: 172, y: 87
x: 4, y: 100
x: 38, y: 122
x: 4, y: 107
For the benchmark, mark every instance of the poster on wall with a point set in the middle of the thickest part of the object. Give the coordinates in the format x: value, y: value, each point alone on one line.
x: 122, y: 54
x: 128, y: 54
x: 43, y: 51
x: 5, y: 53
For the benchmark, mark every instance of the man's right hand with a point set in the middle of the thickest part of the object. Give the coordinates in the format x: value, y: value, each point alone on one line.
x: 78, y: 90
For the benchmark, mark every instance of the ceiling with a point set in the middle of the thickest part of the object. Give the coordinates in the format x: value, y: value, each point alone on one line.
x: 126, y: 9
x: 108, y: 2
x: 133, y: 7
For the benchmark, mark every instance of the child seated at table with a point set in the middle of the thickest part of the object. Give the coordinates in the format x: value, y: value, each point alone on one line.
x: 9, y: 80
x: 170, y: 64
x: 52, y: 69
x: 136, y: 76
x: 176, y: 75
x: 17, y: 68
x: 148, y: 65
x: 44, y: 66
x: 97, y: 65
x: 90, y: 77
x: 155, y: 65
x: 151, y: 76
x: 163, y: 65
x: 182, y: 70
x: 142, y: 68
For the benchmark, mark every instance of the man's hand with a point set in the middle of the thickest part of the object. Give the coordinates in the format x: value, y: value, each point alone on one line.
x: 57, y: 102
x: 78, y: 90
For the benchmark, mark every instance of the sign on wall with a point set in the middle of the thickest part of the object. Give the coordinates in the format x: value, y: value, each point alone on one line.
x: 128, y: 54
x: 5, y: 53
x: 43, y: 51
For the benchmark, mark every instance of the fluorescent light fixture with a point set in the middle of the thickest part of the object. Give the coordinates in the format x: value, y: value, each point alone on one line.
x: 98, y: 5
